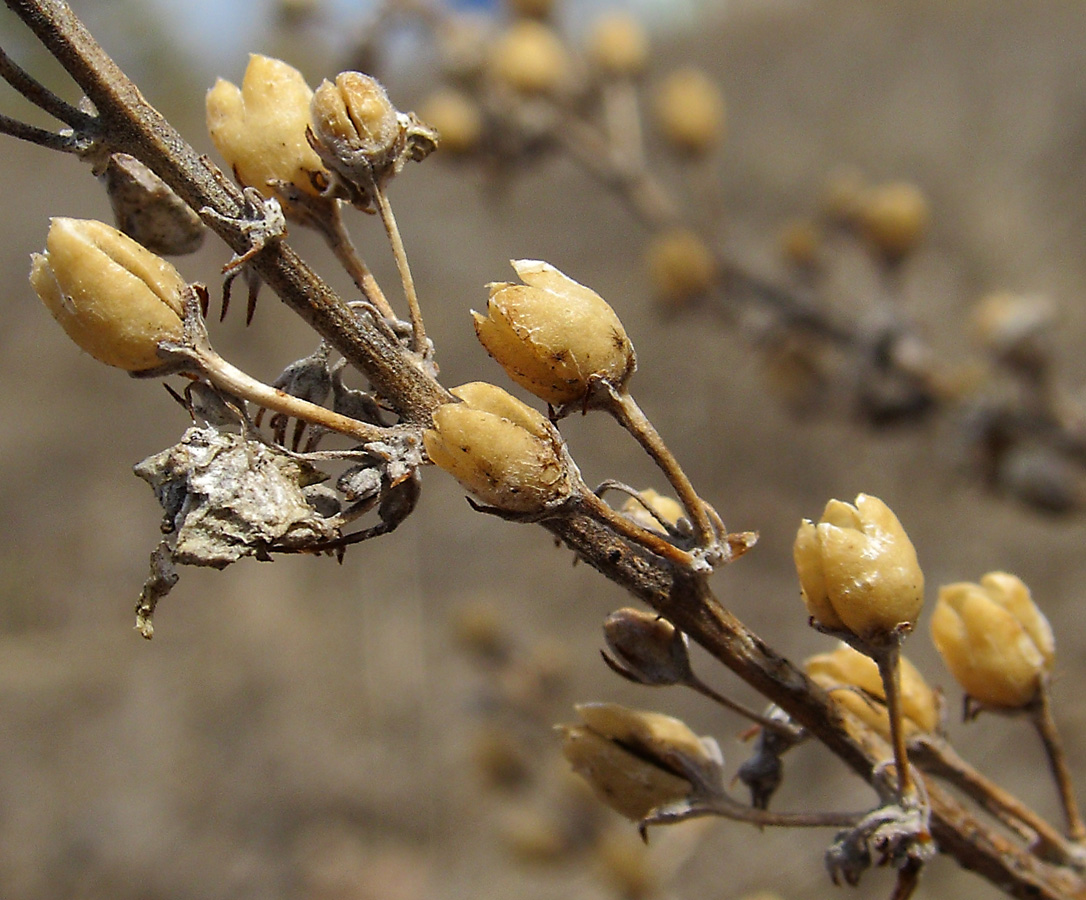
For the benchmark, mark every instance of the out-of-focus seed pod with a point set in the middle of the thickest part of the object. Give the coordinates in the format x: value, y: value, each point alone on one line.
x: 113, y: 297
x: 667, y: 508
x: 456, y: 119
x: 843, y: 195
x: 858, y: 570
x: 631, y: 758
x: 1013, y: 326
x: 894, y: 218
x: 646, y: 648
x: 553, y: 336
x: 996, y: 642
x: 260, y: 128
x: 148, y: 211
x: 501, y: 450
x: 618, y: 45
x: 530, y: 58
x: 689, y: 111
x: 854, y: 682
x: 681, y: 266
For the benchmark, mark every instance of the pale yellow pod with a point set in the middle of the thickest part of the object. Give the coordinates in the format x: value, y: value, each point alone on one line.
x: 689, y: 111
x: 858, y: 569
x: 500, y: 449
x: 530, y: 58
x: 618, y: 45
x: 260, y: 128
x: 846, y: 667
x: 667, y: 508
x: 993, y: 639
x: 554, y: 336
x: 112, y: 296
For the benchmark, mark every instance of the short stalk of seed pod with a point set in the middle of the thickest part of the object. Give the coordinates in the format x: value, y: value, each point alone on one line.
x: 708, y: 526
x: 384, y: 208
x: 192, y: 352
x: 1043, y: 721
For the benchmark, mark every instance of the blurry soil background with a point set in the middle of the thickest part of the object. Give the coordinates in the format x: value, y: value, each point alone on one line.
x: 301, y: 729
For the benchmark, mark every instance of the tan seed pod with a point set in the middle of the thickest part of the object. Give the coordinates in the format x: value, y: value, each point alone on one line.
x: 894, y: 218
x: 681, y: 266
x: 858, y: 570
x: 689, y: 111
x: 530, y: 58
x: 112, y: 296
x: 553, y: 336
x: 456, y: 119
x: 618, y: 45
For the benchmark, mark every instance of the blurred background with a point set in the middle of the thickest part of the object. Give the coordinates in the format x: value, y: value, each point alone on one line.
x: 381, y: 728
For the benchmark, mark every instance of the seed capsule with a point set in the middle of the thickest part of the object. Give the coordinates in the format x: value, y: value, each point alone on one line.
x: 113, y: 297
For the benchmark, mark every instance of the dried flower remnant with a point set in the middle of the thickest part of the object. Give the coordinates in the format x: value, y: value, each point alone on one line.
x: 996, y: 642
x: 638, y: 762
x: 689, y: 111
x: 113, y: 297
x: 858, y: 571
x: 553, y: 336
x: 681, y: 266
x: 501, y: 450
x: 855, y: 684
x: 260, y: 129
x: 530, y: 58
x: 148, y: 211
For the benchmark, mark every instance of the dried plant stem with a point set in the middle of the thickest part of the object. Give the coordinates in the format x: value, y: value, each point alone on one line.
x: 229, y: 378
x: 625, y: 409
x: 1041, y: 714
x: 43, y: 98
x: 630, y: 530
x: 935, y: 756
x: 684, y: 598
x: 784, y: 729
x: 388, y: 219
x: 65, y: 143
x: 887, y: 660
x: 334, y: 231
x: 725, y: 807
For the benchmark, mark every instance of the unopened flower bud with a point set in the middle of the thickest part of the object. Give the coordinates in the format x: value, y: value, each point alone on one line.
x: 894, y: 218
x: 854, y: 683
x: 553, y: 336
x: 113, y: 297
x: 638, y: 761
x: 530, y: 58
x: 646, y: 648
x: 455, y: 118
x: 355, y: 120
x: 501, y: 450
x: 618, y: 45
x: 681, y: 266
x: 858, y: 570
x: 260, y: 129
x: 689, y: 110
x: 996, y: 642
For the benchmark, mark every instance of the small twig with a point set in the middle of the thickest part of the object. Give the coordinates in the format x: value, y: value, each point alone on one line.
x: 625, y: 526
x: 43, y: 98
x: 724, y: 806
x: 887, y: 659
x: 64, y: 143
x: 1041, y: 715
x: 935, y: 756
x: 625, y: 409
x: 783, y: 728
x: 388, y: 219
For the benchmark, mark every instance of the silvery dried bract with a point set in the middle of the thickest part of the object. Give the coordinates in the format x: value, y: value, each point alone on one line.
x: 226, y: 497
x: 148, y: 211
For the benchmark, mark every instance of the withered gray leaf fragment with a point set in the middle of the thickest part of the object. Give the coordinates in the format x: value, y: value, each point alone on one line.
x: 227, y: 497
